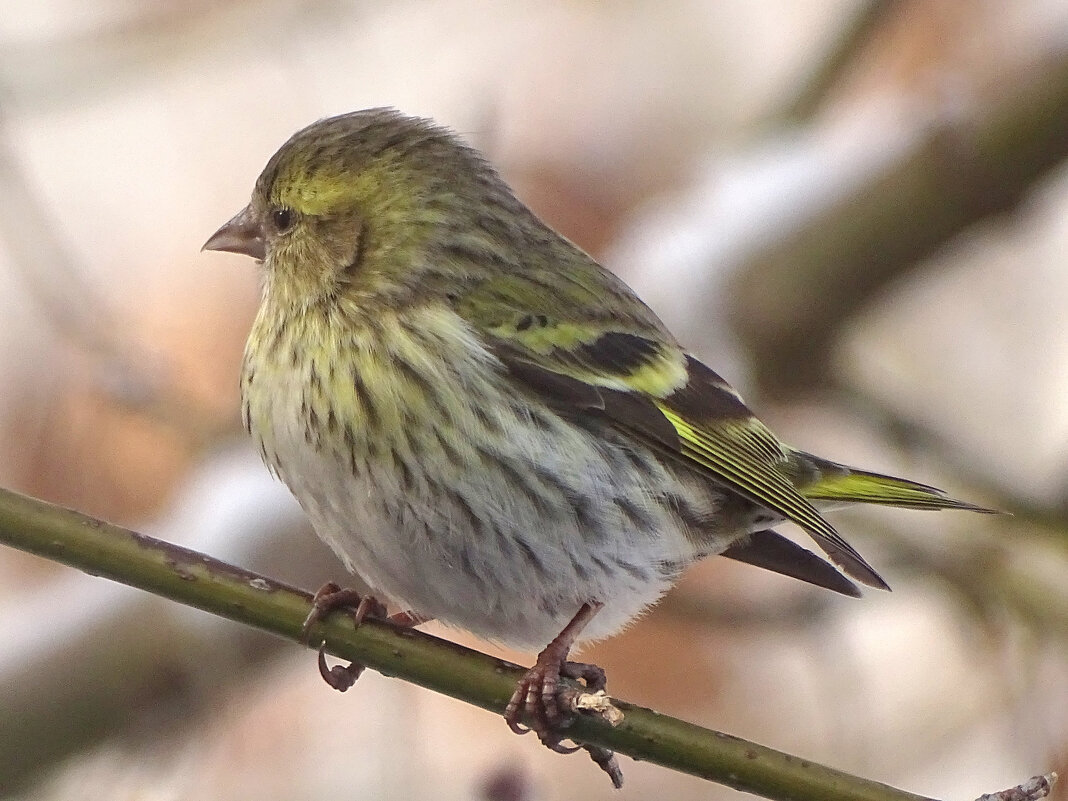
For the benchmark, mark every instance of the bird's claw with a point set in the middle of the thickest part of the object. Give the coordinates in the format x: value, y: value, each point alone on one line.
x: 340, y: 677
x: 331, y: 597
x: 537, y: 696
x: 539, y: 700
x: 327, y: 599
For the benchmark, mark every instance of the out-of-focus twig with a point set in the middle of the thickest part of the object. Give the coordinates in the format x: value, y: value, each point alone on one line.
x: 790, y: 299
x: 855, y: 34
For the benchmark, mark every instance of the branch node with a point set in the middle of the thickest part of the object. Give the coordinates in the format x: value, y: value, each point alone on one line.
x: 1031, y: 790
x: 598, y: 703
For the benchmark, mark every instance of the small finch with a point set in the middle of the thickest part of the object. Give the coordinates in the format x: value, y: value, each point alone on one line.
x: 488, y: 427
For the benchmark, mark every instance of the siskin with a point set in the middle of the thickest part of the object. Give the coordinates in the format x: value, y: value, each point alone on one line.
x: 488, y: 427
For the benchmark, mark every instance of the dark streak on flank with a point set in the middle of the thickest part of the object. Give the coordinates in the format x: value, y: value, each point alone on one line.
x: 505, y: 542
x: 311, y: 427
x: 474, y: 523
x: 404, y: 473
x: 558, y: 497
x: 419, y: 382
x: 363, y: 395
x: 532, y: 558
x: 670, y: 569
x: 519, y: 479
x: 639, y: 574
x: 589, y: 524
x: 638, y: 517
x: 580, y: 570
x: 350, y: 445
x: 447, y: 448
x: 469, y: 570
x: 601, y: 564
x: 490, y: 424
x: 686, y: 512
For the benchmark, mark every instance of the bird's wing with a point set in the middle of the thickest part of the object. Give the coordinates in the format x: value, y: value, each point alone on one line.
x: 644, y: 383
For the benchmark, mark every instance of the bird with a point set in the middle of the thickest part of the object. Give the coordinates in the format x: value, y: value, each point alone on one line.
x: 490, y: 428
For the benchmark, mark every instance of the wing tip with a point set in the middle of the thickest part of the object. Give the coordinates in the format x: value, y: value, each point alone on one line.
x: 769, y: 550
x: 855, y: 567
x: 974, y: 507
x: 849, y: 589
x: 879, y: 583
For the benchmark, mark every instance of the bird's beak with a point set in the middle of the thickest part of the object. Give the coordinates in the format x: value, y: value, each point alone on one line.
x: 242, y: 234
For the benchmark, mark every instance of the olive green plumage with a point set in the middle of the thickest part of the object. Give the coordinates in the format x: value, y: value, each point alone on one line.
x: 485, y: 424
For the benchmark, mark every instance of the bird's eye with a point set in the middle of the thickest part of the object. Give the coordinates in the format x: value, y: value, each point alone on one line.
x: 282, y: 219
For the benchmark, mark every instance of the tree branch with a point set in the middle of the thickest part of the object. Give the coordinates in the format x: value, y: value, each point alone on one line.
x: 200, y: 581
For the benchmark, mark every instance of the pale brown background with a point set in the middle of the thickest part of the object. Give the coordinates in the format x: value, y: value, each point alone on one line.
x: 656, y: 135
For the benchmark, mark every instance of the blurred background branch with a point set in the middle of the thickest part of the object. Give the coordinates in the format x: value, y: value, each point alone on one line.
x: 957, y: 166
x: 861, y: 24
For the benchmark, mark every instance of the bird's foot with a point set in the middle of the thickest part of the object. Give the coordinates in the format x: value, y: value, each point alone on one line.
x: 540, y: 705
x: 537, y: 696
x: 331, y: 597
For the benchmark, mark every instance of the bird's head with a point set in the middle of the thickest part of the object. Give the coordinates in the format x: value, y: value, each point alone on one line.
x: 360, y: 200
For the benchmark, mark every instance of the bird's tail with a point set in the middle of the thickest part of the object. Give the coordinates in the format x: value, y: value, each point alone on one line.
x: 830, y: 483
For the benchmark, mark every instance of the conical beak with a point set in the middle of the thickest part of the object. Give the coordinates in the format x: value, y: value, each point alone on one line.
x: 242, y: 234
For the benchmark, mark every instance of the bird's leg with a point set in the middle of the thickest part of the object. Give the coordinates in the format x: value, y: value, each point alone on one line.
x: 537, y: 696
x: 330, y: 597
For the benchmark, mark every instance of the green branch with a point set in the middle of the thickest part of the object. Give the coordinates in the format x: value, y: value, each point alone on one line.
x: 197, y: 580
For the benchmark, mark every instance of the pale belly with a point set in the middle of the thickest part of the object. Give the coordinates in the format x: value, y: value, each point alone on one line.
x: 502, y: 519
x: 511, y: 562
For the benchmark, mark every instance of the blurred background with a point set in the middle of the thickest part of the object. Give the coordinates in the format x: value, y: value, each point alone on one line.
x: 856, y: 210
